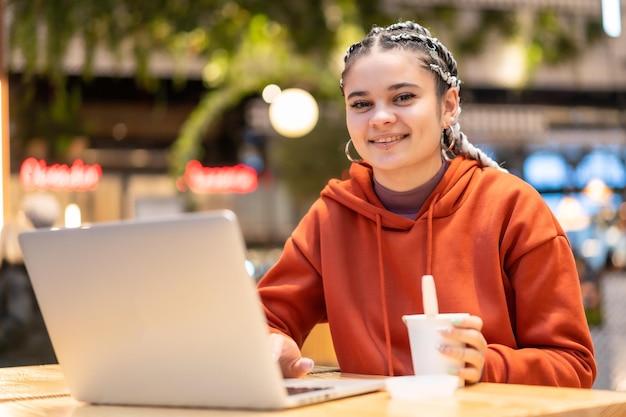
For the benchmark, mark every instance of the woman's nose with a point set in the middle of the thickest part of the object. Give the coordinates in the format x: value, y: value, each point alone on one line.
x: 382, y: 115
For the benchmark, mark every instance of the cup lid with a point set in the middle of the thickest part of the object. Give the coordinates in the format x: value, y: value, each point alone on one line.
x: 412, y: 387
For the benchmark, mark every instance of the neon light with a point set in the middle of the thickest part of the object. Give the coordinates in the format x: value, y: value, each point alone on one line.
x: 37, y: 175
x: 227, y: 179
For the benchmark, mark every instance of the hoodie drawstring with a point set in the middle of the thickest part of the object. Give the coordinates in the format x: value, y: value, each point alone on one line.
x: 383, y: 294
x: 429, y: 237
x: 381, y: 274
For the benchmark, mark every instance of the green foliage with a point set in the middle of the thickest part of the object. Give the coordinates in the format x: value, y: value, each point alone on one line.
x: 554, y: 38
x: 551, y: 35
x: 41, y: 30
x: 247, y: 44
x: 263, y: 56
x: 503, y: 22
x: 312, y: 159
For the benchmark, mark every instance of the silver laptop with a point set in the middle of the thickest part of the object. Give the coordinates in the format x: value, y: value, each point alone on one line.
x: 162, y: 312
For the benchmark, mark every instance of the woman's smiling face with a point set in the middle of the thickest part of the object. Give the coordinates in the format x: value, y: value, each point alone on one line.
x: 395, y: 117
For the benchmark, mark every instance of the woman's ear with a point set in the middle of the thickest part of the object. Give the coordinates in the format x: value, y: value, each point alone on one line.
x: 450, y: 106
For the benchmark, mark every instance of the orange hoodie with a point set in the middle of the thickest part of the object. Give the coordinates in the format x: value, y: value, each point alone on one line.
x: 493, y: 247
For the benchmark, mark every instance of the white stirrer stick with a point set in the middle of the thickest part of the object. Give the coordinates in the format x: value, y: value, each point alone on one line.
x: 429, y: 296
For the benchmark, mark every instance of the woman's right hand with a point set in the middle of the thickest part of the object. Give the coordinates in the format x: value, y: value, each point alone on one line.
x: 288, y: 355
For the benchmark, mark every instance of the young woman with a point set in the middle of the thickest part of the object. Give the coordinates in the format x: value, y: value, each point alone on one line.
x: 421, y: 199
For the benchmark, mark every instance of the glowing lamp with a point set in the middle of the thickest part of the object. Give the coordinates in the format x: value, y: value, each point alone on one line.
x: 293, y: 113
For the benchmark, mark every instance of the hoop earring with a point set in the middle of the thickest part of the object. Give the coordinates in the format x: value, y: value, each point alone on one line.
x: 347, y: 151
x: 443, y: 140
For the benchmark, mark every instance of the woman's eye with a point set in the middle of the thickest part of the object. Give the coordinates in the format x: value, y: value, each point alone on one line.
x: 359, y: 105
x: 405, y: 97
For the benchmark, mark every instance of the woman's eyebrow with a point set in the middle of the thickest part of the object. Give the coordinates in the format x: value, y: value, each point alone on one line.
x: 357, y: 94
x: 399, y: 86
x: 393, y: 87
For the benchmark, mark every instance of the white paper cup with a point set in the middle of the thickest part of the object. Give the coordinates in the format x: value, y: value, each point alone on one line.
x: 424, y: 338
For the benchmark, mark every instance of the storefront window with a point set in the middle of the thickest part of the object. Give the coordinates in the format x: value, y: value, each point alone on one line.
x: 586, y: 196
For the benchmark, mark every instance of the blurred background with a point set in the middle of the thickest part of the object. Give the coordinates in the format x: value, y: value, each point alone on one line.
x: 115, y: 110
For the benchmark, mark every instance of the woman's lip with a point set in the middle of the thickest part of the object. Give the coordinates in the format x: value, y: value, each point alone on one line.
x: 387, y: 142
x: 387, y: 139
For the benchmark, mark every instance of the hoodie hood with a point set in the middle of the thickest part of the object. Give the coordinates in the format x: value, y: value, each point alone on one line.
x: 358, y: 194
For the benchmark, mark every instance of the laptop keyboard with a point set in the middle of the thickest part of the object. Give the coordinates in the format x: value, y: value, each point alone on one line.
x: 301, y: 390
x: 320, y: 370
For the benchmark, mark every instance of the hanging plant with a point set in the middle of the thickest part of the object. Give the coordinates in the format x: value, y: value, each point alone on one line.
x: 264, y: 56
x: 246, y: 44
x: 41, y: 33
x: 551, y: 34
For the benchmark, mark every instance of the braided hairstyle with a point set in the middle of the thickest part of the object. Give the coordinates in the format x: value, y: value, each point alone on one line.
x: 435, y: 57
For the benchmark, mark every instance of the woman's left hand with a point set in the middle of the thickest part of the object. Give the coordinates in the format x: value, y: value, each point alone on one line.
x: 467, y: 330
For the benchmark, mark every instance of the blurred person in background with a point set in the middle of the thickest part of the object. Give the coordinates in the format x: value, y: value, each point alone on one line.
x: 41, y: 209
x: 23, y: 336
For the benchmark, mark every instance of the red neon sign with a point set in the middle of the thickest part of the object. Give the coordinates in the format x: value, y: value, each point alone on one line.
x: 227, y: 179
x: 37, y: 175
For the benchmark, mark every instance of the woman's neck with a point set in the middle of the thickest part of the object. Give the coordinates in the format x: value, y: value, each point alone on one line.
x: 408, y: 203
x: 410, y: 178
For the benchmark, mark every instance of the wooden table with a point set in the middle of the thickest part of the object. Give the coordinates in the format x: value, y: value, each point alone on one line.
x: 40, y: 391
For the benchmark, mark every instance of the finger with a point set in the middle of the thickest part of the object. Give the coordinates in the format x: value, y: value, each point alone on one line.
x: 471, y: 359
x: 296, y: 368
x: 303, y: 366
x: 287, y: 353
x: 468, y: 322
x: 464, y: 354
x: 470, y: 375
x: 276, y: 343
x: 468, y: 336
